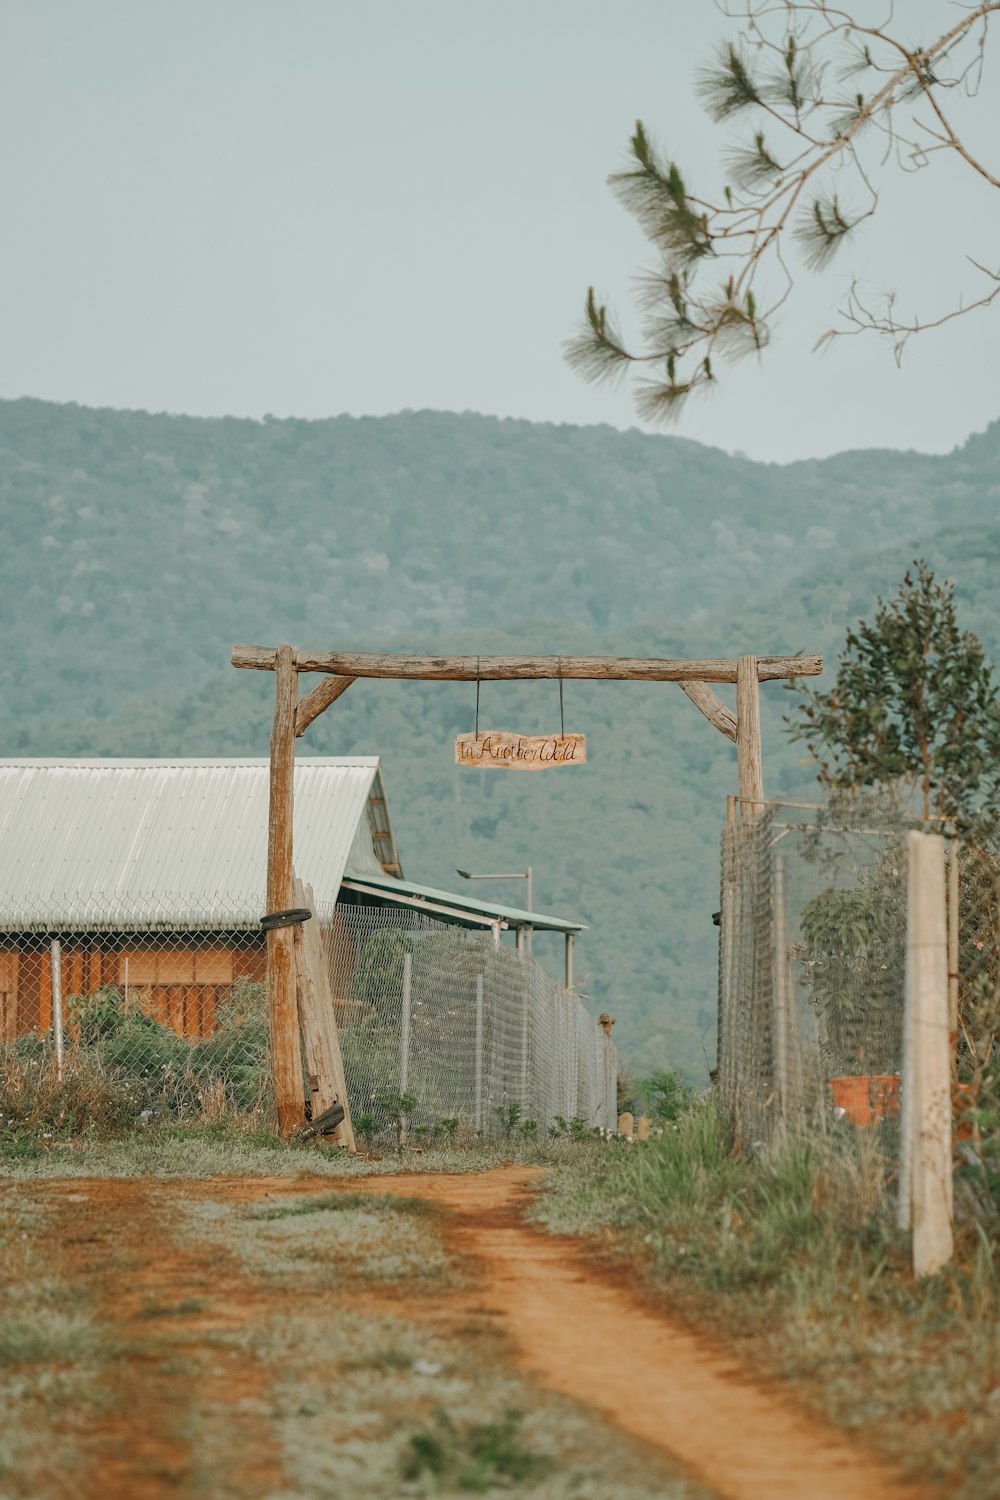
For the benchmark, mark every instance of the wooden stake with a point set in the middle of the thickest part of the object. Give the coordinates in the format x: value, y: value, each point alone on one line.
x: 286, y: 1064
x: 749, y: 757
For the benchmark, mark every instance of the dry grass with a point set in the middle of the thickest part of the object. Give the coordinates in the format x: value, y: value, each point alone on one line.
x: 793, y: 1258
x: 52, y: 1352
x: 240, y: 1148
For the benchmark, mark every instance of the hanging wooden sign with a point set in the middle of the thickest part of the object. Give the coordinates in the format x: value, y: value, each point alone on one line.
x: 520, y: 752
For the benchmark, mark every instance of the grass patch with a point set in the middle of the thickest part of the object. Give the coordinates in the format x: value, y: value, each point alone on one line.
x: 476, y: 1457
x: 369, y: 1203
x: 185, y: 1309
x: 235, y: 1149
x: 48, y: 1337
x: 328, y: 1242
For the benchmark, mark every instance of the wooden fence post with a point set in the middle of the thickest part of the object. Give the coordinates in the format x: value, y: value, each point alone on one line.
x: 925, y: 1121
x: 749, y: 755
x: 286, y: 1063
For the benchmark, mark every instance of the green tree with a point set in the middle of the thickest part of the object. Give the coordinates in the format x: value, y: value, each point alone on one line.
x: 914, y: 700
x: 821, y: 104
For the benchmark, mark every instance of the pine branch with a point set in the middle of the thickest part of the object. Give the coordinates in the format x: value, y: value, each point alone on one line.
x: 821, y: 231
x: 654, y: 193
x: 774, y: 194
x: 727, y: 86
x: 753, y: 167
x: 598, y: 352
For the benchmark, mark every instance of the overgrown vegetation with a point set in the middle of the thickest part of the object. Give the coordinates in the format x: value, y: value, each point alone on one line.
x: 794, y: 1255
x: 124, y: 1070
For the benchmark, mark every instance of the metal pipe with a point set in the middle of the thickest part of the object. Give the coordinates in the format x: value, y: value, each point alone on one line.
x: 404, y: 1037
x: 569, y: 960
x: 55, y: 960
x: 479, y: 1052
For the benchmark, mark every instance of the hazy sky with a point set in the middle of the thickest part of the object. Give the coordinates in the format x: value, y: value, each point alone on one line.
x: 308, y: 207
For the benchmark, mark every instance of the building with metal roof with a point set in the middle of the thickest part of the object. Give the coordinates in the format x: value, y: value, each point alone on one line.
x: 183, y: 843
x: 152, y: 876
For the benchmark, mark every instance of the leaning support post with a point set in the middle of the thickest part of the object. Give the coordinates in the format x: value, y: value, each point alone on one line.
x: 55, y: 959
x: 925, y: 1164
x: 749, y: 756
x: 286, y: 1064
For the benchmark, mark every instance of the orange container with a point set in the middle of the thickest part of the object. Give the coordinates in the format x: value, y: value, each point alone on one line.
x: 866, y: 1097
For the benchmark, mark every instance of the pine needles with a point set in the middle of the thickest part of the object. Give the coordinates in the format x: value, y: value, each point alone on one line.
x: 768, y: 84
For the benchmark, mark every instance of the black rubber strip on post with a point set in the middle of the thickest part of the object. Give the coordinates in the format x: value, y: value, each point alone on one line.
x: 290, y: 918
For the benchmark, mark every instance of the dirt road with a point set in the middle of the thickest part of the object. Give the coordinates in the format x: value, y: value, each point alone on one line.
x: 569, y: 1322
x: 585, y: 1336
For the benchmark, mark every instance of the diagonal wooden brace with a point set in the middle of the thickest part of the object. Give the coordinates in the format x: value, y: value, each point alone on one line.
x: 712, y: 706
x: 312, y: 705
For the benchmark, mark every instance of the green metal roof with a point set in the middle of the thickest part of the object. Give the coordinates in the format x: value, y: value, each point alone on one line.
x: 390, y: 888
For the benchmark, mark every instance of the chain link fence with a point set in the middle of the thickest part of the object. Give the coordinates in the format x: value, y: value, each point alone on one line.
x: 812, y: 969
x: 812, y: 973
x: 444, y: 1034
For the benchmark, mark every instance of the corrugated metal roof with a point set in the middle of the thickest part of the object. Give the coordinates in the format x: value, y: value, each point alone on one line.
x: 513, y: 916
x: 173, y: 843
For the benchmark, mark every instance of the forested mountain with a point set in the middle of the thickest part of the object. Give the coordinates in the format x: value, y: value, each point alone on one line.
x: 138, y: 548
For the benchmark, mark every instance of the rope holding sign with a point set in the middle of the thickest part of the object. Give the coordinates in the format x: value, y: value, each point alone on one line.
x: 521, y: 752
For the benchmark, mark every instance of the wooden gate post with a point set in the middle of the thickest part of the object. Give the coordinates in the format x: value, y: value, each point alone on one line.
x: 286, y: 1063
x: 749, y: 756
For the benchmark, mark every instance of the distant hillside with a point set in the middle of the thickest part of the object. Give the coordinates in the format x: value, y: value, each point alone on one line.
x: 139, y: 548
x: 180, y: 535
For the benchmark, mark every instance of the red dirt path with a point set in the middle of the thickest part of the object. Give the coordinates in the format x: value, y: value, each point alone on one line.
x: 568, y: 1321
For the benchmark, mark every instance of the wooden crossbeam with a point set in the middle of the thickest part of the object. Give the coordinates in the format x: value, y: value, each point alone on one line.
x: 523, y: 668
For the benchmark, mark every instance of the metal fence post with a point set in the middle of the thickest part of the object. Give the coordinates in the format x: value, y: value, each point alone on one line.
x: 404, y: 1034
x: 525, y: 989
x: 404, y: 1030
x: 788, y: 1056
x: 55, y: 958
x: 479, y: 1052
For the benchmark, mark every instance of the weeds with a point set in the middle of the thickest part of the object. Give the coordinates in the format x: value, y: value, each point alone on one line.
x: 381, y: 1203
x: 123, y: 1070
x: 188, y: 1308
x: 474, y: 1458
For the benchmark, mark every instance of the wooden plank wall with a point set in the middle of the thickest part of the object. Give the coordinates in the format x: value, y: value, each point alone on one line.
x: 178, y: 982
